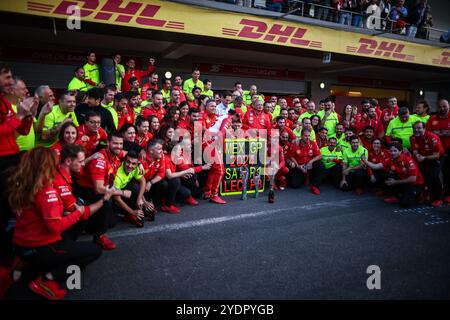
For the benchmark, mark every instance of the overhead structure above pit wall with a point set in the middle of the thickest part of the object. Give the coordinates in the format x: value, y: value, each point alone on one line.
x: 182, y: 35
x: 209, y: 22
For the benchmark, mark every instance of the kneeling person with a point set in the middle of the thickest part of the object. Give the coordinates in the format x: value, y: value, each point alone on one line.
x: 129, y: 177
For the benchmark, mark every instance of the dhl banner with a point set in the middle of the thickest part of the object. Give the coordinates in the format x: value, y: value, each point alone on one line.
x: 175, y: 17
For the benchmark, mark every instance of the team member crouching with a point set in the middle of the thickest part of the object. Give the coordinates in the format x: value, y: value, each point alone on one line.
x: 404, y: 180
x: 429, y: 153
x: 92, y: 185
x: 377, y: 154
x: 129, y: 177
x: 190, y: 188
x: 354, y: 171
x: 305, y: 163
x: 156, y: 187
x: 41, y: 221
x: 332, y: 161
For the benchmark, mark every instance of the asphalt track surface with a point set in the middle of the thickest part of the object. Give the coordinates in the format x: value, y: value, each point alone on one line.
x: 302, y: 247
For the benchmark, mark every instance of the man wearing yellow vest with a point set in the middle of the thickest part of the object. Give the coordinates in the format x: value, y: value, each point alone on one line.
x: 119, y: 70
x: 60, y: 114
x: 92, y: 71
x: 189, y: 84
x: 401, y: 127
x: 332, y: 160
x: 328, y: 117
x: 78, y: 81
x: 19, y: 93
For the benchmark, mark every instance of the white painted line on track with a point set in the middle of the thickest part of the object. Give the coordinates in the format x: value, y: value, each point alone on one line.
x: 216, y: 220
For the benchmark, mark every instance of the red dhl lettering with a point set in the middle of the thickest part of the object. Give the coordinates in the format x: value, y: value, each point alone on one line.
x: 278, y: 33
x: 383, y: 48
x: 118, y: 11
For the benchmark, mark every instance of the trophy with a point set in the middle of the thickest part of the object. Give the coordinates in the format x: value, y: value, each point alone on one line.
x: 256, y: 179
x: 271, y: 185
x: 244, y: 177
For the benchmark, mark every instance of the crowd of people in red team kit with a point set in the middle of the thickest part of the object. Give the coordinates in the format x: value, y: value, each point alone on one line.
x: 77, y: 163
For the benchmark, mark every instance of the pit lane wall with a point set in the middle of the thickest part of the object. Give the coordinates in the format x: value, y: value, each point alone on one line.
x: 181, y: 18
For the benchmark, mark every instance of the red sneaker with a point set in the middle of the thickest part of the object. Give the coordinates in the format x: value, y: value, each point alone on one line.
x: 106, y: 244
x: 6, y: 280
x: 437, y: 203
x: 139, y: 223
x: 173, y: 209
x: 207, y: 195
x: 392, y: 200
x: 191, y: 201
x: 49, y: 289
x: 359, y: 191
x: 217, y: 199
x: 315, y: 190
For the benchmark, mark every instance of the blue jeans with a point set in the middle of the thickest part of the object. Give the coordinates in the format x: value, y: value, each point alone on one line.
x: 411, y: 31
x: 357, y: 21
x: 344, y: 18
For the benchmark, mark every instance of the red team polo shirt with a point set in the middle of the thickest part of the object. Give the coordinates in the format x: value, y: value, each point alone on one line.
x: 100, y: 169
x: 405, y: 167
x: 388, y: 112
x: 90, y: 140
x: 253, y: 121
x: 150, y: 111
x: 427, y: 145
x: 43, y: 223
x: 142, y: 141
x: 9, y: 124
x: 304, y: 152
x: 154, y: 168
x: 435, y: 123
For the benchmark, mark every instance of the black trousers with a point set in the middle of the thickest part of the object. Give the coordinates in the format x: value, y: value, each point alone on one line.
x: 407, y: 193
x: 7, y: 164
x: 157, y: 192
x: 431, y: 170
x: 356, y: 179
x: 99, y: 222
x: 191, y: 184
x: 133, y: 186
x: 446, y: 172
x: 334, y: 174
x: 56, y: 257
x: 173, y: 185
x: 297, y: 178
x: 380, y: 176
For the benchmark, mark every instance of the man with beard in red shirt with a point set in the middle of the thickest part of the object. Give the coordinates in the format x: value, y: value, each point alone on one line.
x: 178, y: 86
x: 371, y: 119
x: 280, y: 124
x: 93, y: 184
x: 440, y: 125
x: 139, y: 74
x: 152, y: 84
x: 404, y: 181
x: 429, y: 153
x: 304, y: 162
x: 389, y: 112
x: 156, y: 108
